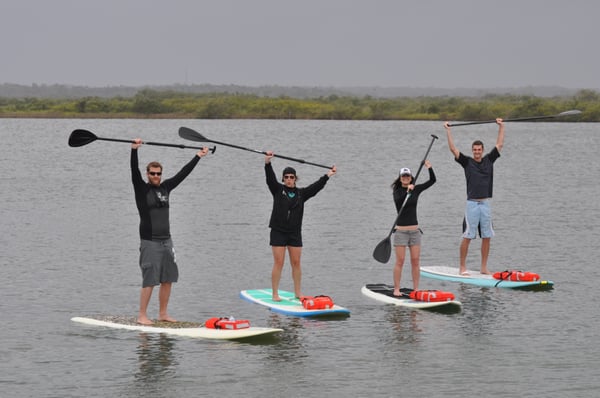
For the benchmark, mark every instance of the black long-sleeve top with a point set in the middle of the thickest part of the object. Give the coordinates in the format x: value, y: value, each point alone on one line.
x: 153, y: 202
x: 288, y: 203
x: 409, y: 212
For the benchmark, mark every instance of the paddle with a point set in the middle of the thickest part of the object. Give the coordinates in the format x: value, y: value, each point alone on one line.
x: 521, y: 119
x: 192, y: 135
x: 383, y: 250
x: 82, y: 137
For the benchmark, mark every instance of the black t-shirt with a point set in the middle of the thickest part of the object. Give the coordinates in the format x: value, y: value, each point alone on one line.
x: 479, y: 175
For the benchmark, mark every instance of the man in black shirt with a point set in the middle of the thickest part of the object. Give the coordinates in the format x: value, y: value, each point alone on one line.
x: 479, y: 174
x: 157, y: 254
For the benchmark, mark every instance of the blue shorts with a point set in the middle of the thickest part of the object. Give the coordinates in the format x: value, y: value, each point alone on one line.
x: 478, y: 218
x: 280, y: 238
x: 157, y: 262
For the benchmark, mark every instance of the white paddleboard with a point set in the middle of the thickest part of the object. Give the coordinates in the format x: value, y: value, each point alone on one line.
x: 289, y: 304
x: 184, y: 329
x: 476, y: 278
x: 385, y: 294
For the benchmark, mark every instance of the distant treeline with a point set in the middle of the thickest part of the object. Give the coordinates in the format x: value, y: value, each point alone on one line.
x: 148, y: 103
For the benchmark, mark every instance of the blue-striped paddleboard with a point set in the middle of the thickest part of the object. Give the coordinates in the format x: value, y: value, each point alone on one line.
x: 289, y: 304
x: 451, y: 274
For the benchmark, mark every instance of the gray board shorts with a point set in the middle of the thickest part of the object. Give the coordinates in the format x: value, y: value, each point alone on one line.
x: 157, y: 262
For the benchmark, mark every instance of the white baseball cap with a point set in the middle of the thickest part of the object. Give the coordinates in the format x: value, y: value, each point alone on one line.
x: 405, y: 171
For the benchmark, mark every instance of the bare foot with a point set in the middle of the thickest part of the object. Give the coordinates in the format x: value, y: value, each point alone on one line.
x: 396, y: 292
x: 166, y: 319
x: 276, y: 298
x: 486, y: 272
x: 144, y: 321
x: 465, y: 273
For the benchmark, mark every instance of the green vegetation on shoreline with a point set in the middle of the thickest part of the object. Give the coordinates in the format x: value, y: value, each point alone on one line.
x: 176, y: 105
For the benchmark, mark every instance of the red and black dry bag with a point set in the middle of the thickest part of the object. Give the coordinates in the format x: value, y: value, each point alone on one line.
x: 517, y: 276
x: 227, y: 323
x: 317, y: 302
x: 431, y: 295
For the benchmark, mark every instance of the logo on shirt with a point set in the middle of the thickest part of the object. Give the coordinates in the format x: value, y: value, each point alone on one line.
x: 163, y: 199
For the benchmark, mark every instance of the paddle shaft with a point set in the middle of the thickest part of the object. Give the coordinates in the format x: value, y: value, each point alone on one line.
x: 193, y: 135
x: 264, y: 153
x: 157, y: 144
x: 520, y: 119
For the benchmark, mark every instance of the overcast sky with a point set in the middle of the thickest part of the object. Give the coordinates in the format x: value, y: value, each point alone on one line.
x: 385, y: 43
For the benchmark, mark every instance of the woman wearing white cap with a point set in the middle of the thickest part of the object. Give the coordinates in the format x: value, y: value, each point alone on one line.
x: 407, y: 227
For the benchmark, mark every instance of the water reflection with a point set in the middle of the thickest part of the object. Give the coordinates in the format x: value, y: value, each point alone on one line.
x: 484, y: 307
x: 156, y: 359
x: 290, y: 348
x: 405, y: 324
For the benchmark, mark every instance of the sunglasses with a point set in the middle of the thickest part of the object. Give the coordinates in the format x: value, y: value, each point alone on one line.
x: 155, y: 173
x: 405, y: 175
x: 289, y: 177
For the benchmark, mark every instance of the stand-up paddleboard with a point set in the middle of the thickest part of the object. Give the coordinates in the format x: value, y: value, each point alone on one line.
x: 385, y: 293
x: 184, y: 329
x: 289, y: 304
x: 476, y: 278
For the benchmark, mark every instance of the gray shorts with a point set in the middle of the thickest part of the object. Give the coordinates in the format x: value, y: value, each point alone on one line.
x: 157, y: 262
x: 407, y: 238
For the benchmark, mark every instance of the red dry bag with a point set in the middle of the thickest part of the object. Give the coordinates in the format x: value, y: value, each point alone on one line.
x: 431, y: 295
x: 317, y: 302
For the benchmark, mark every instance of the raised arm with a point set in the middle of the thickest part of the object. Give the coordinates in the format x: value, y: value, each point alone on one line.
x: 178, y: 178
x: 136, y: 175
x: 271, y: 179
x: 500, y: 139
x: 451, y: 146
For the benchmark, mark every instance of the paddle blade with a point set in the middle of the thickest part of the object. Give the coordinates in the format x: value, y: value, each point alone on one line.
x: 383, y: 251
x: 81, y: 137
x: 192, y: 135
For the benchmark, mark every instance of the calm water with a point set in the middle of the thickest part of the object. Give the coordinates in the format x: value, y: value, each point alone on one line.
x: 69, y: 242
